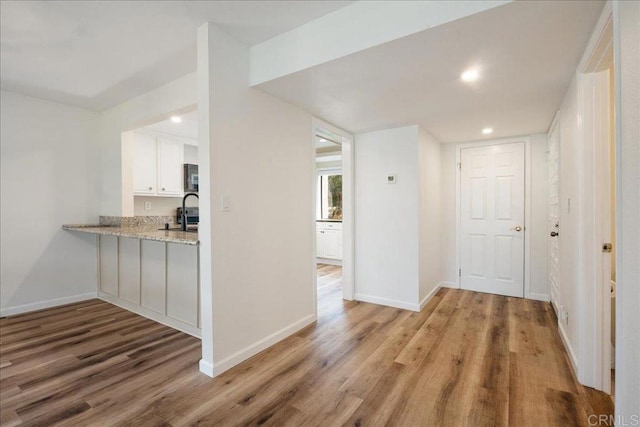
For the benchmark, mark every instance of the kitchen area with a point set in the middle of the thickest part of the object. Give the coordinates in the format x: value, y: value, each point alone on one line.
x: 148, y: 263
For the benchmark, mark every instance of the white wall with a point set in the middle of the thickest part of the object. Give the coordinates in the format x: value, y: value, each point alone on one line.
x: 537, y: 223
x: 191, y: 154
x: 538, y: 233
x: 386, y: 217
x: 448, y: 169
x: 49, y: 170
x: 570, y: 220
x: 160, y: 206
x: 430, y: 227
x: 256, y: 259
x: 177, y: 97
x: 626, y: 17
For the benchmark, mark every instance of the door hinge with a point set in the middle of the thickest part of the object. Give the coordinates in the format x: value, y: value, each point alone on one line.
x: 459, y: 165
x: 607, y: 247
x: 459, y: 272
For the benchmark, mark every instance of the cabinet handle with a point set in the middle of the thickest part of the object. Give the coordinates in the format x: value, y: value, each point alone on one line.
x: 162, y: 188
x: 150, y: 188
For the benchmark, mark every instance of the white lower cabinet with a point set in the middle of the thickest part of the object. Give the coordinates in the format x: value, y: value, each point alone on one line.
x: 329, y: 240
x: 182, y: 283
x: 153, y: 275
x: 108, y: 273
x: 157, y: 280
x: 129, y: 269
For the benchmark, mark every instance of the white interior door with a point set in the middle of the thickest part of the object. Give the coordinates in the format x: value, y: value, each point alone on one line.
x: 492, y: 219
x: 553, y: 147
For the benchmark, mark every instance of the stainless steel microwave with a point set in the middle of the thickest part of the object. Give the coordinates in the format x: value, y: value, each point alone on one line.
x: 190, y: 177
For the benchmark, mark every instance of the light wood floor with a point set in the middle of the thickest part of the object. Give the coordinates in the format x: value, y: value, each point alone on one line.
x: 467, y: 359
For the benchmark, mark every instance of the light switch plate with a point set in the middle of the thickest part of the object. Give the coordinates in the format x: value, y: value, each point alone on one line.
x: 147, y: 206
x: 226, y: 203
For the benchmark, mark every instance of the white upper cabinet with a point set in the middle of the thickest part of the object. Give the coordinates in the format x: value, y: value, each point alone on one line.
x: 170, y: 168
x: 157, y: 166
x: 144, y: 164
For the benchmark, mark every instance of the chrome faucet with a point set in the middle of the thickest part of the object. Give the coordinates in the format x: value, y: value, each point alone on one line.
x: 184, y: 209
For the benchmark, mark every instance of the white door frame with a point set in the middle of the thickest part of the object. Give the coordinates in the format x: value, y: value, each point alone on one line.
x: 527, y: 208
x: 594, y: 350
x: 348, y: 200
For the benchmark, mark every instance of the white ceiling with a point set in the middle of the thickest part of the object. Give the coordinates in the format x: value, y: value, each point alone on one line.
x: 188, y: 128
x: 527, y: 52
x: 97, y: 54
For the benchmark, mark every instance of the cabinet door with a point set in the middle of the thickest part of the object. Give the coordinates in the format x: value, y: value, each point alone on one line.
x: 332, y: 239
x: 320, y: 244
x: 109, y: 265
x: 153, y: 280
x: 182, y: 283
x: 129, y: 269
x: 144, y: 164
x: 170, y: 167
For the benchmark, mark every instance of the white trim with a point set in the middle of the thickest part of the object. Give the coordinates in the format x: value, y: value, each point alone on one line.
x: 388, y: 302
x: 206, y: 368
x: 606, y: 17
x: 255, y: 348
x: 594, y: 306
x: 527, y: 218
x: 451, y: 285
x: 150, y: 314
x: 567, y: 345
x: 527, y: 200
x: 539, y: 297
x: 41, y: 305
x: 430, y: 295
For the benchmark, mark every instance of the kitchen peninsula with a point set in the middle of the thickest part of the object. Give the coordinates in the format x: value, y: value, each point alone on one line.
x: 148, y: 270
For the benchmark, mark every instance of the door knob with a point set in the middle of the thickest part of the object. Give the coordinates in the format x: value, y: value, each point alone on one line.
x: 517, y: 228
x: 554, y: 234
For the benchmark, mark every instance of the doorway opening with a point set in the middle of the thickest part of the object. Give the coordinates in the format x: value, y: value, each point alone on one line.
x: 599, y: 310
x: 329, y: 215
x: 159, y: 166
x: 333, y: 215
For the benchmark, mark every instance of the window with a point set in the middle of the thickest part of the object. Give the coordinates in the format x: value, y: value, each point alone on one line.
x: 330, y: 197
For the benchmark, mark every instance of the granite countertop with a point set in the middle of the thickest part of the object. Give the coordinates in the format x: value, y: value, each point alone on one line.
x: 147, y: 232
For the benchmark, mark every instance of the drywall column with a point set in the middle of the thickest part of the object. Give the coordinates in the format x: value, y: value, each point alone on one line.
x: 387, y: 229
x: 257, y: 234
x: 429, y: 216
x: 626, y: 17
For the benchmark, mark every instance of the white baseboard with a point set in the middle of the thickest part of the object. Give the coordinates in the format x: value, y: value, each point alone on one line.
x: 40, y: 305
x: 567, y: 346
x: 451, y: 285
x: 430, y: 295
x: 539, y: 297
x: 206, y: 368
x: 387, y: 301
x: 229, y: 362
x: 153, y: 315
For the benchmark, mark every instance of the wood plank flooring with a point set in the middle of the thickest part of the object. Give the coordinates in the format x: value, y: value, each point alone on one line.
x: 467, y: 359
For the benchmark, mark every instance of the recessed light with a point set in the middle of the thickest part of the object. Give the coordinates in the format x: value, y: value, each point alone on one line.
x: 470, y: 75
x: 487, y: 131
x: 176, y: 119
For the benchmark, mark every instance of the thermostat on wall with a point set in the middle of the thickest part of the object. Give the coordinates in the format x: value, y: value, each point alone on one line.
x: 391, y: 179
